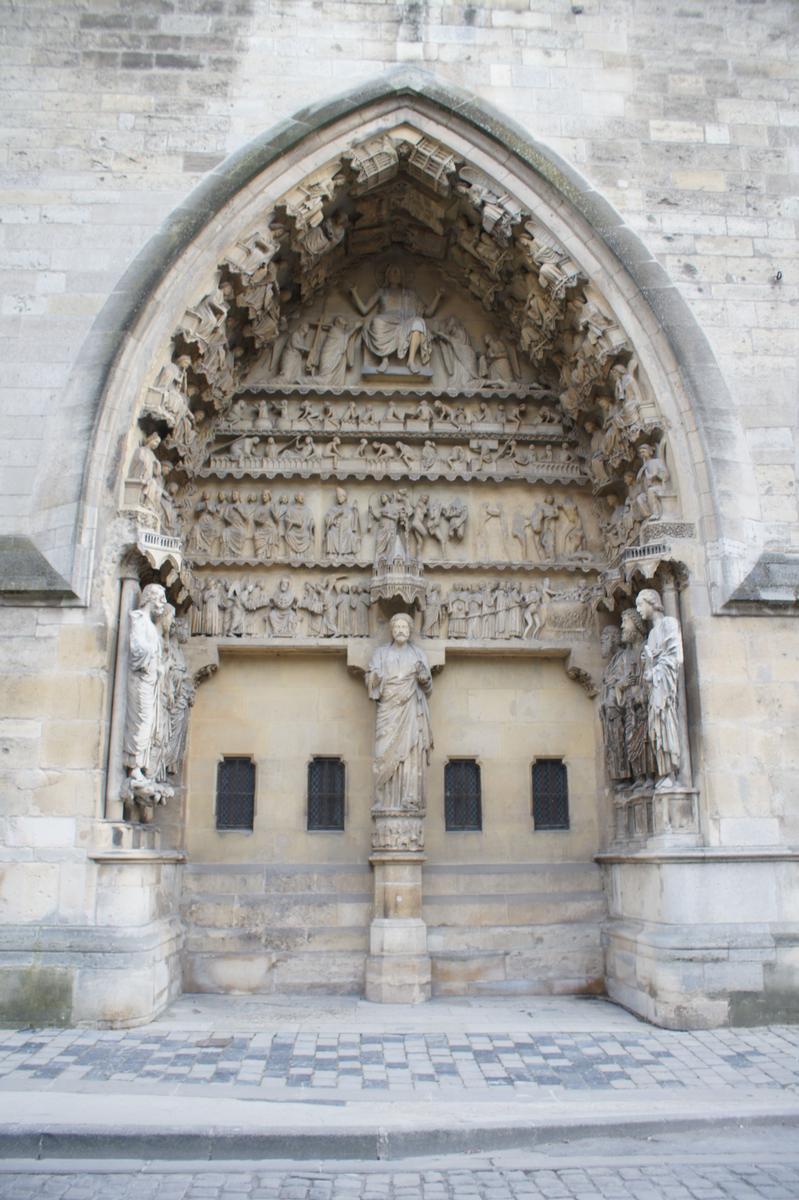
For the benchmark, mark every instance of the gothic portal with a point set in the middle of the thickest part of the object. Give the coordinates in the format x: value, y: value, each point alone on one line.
x: 398, y: 392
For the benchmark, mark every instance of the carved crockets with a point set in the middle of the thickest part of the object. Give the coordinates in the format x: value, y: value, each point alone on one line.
x: 399, y: 679
x: 640, y: 698
x: 159, y: 693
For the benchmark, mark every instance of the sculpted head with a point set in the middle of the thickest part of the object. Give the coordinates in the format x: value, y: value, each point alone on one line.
x: 341, y: 495
x: 648, y: 603
x: 153, y: 598
x: 393, y: 276
x: 401, y: 626
x: 632, y: 627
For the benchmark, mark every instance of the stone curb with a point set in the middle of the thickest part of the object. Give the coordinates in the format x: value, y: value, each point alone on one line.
x: 354, y: 1143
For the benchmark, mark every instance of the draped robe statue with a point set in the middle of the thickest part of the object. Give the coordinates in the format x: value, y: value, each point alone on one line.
x: 662, y: 658
x: 145, y: 669
x: 399, y: 680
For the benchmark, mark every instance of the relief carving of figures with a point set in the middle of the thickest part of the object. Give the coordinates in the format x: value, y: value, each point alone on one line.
x: 398, y: 327
x: 341, y: 531
x: 432, y: 611
x: 556, y: 271
x: 611, y: 705
x: 662, y: 660
x: 399, y: 680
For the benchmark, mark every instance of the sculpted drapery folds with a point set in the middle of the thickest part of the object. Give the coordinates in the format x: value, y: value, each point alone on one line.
x: 662, y: 658
x: 399, y: 680
x: 145, y: 663
x: 398, y: 327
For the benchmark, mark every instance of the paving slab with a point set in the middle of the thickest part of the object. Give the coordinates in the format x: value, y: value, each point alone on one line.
x: 289, y: 1077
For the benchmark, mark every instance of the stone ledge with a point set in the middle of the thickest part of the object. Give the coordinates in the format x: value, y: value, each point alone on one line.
x: 27, y: 576
x: 703, y: 854
x: 770, y: 589
x: 138, y: 856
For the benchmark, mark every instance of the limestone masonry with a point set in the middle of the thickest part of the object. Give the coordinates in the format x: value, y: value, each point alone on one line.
x: 399, y: 540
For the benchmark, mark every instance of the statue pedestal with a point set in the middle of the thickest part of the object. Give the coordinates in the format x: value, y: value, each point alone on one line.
x: 675, y: 818
x: 398, y: 967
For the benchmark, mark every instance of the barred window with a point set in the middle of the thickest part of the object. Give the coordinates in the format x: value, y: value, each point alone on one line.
x: 550, y: 794
x: 462, y: 801
x: 326, y: 794
x: 235, y: 793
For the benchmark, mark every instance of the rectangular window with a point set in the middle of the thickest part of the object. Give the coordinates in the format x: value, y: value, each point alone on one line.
x: 462, y: 800
x: 550, y: 794
x: 326, y: 794
x: 235, y: 793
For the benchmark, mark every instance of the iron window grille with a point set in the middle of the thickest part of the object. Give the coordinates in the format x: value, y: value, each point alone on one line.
x: 235, y: 793
x: 462, y: 797
x: 326, y: 794
x: 550, y: 794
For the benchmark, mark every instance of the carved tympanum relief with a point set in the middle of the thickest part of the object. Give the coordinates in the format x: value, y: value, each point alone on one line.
x: 399, y: 387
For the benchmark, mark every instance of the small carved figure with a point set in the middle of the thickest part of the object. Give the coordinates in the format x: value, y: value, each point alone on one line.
x: 341, y: 530
x: 295, y: 352
x: 282, y: 615
x: 574, y: 541
x: 405, y: 455
x: 499, y: 361
x: 544, y: 525
x: 399, y: 680
x: 432, y: 611
x: 458, y: 354
x: 266, y: 527
x: 236, y: 528
x: 298, y: 527
x: 424, y: 413
x: 393, y: 414
x: 429, y: 457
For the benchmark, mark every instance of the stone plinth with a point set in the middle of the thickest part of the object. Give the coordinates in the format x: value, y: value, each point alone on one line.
x: 398, y: 969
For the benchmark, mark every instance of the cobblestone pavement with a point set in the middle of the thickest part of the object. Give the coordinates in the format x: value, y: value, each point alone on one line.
x: 759, y: 1058
x: 664, y: 1181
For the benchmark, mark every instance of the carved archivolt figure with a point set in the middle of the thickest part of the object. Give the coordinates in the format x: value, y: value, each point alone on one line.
x: 662, y: 659
x: 399, y: 680
x: 145, y: 670
x: 651, y: 479
x: 398, y: 327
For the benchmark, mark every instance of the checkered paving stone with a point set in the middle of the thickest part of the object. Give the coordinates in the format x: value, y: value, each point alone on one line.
x: 762, y: 1058
x: 667, y: 1181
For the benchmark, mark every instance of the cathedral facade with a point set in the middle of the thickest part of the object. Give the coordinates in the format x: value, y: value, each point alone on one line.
x: 399, y: 582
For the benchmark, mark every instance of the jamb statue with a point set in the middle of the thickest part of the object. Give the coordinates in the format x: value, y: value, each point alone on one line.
x: 662, y: 659
x: 146, y: 665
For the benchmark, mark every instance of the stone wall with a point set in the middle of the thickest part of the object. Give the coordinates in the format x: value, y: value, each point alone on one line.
x: 684, y: 119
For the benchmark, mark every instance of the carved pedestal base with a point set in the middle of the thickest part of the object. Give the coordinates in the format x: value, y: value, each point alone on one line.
x: 398, y: 968
x: 675, y: 817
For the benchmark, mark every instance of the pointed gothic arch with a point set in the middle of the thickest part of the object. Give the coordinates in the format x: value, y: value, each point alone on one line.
x: 123, y: 349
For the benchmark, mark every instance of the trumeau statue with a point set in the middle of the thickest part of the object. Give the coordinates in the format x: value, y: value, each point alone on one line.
x: 399, y: 680
x: 662, y: 659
